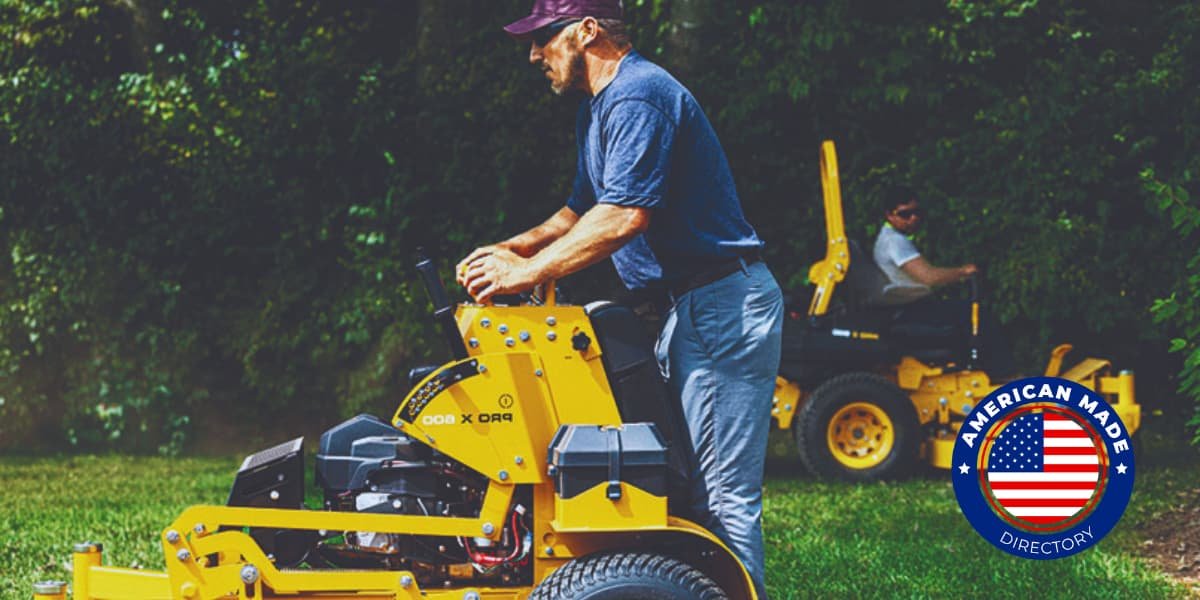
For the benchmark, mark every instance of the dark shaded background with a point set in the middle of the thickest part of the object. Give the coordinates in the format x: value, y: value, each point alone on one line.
x: 209, y: 211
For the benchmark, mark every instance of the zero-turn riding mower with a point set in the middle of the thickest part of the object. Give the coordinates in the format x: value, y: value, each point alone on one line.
x: 869, y: 396
x: 544, y: 461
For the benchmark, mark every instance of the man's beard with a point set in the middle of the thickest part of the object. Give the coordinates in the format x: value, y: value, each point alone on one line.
x: 573, y: 77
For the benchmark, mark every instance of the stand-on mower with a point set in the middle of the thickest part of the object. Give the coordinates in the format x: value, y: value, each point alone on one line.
x: 869, y: 396
x: 545, y: 461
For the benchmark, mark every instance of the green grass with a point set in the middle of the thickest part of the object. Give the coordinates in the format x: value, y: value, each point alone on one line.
x: 823, y: 539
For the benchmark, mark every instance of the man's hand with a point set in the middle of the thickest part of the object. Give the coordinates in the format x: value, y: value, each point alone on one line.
x: 460, y: 271
x: 497, y: 271
x: 967, y: 271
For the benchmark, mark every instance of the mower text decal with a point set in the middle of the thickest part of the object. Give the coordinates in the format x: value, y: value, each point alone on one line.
x: 1043, y: 468
x: 467, y: 418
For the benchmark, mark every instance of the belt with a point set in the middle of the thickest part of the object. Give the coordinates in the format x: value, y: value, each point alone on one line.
x: 718, y: 271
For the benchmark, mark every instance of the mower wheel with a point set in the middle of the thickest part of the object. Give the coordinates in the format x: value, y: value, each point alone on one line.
x: 627, y: 576
x: 858, y: 427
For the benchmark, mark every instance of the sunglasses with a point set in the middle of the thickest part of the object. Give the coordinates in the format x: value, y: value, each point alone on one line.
x: 909, y: 213
x: 543, y: 36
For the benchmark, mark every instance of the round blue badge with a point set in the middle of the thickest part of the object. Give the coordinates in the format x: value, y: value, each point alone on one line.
x: 1043, y: 468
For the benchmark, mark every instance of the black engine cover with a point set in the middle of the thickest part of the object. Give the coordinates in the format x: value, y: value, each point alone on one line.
x: 350, y: 452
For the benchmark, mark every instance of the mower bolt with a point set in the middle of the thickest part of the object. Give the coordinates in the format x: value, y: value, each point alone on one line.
x: 488, y: 529
x: 49, y: 588
x: 406, y: 581
x: 274, y: 494
x: 430, y: 438
x: 471, y: 596
x: 966, y: 408
x: 549, y: 551
x: 173, y: 536
x: 787, y: 407
x: 519, y: 460
x: 482, y: 369
x: 551, y: 321
x: 249, y: 574
x: 969, y: 394
x: 474, y: 343
x: 183, y: 554
x: 774, y: 411
x: 503, y: 475
x: 550, y: 335
x: 510, y: 342
x: 524, y: 335
x: 942, y: 401
x: 485, y: 323
x: 537, y: 373
x: 199, y: 528
x: 502, y: 328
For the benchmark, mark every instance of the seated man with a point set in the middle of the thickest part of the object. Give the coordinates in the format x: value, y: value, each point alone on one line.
x: 911, y: 280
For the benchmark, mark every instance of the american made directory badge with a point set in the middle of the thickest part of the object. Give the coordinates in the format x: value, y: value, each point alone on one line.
x: 1043, y: 468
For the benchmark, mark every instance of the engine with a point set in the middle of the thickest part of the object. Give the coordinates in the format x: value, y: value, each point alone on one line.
x: 366, y: 465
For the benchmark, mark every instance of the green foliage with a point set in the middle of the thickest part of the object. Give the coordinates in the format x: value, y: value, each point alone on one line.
x: 208, y: 211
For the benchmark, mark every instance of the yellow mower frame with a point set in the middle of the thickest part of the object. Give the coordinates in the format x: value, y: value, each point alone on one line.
x: 942, y: 396
x: 521, y: 362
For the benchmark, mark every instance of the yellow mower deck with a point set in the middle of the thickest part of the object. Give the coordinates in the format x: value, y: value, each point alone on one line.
x: 524, y: 379
x: 941, y: 397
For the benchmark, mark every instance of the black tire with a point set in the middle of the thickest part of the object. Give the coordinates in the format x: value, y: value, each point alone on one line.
x: 813, y: 433
x: 627, y: 576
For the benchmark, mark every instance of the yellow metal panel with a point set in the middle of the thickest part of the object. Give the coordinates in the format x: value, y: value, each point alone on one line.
x: 109, y: 583
x: 1086, y: 369
x: 1054, y: 366
x: 499, y: 421
x: 85, y: 557
x: 495, y: 508
x: 785, y: 403
x: 593, y: 511
x: 827, y: 273
x: 911, y: 372
x: 941, y: 450
x: 577, y: 380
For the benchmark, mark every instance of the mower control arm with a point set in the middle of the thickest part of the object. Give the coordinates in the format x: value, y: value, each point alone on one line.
x: 443, y: 309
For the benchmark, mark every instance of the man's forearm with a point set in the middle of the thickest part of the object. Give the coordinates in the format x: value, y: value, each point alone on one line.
x: 532, y: 241
x: 595, y: 236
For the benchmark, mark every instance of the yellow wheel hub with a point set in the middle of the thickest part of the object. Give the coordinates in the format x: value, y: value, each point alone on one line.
x: 860, y: 435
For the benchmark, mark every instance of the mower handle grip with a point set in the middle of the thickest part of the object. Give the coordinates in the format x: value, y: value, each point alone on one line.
x: 443, y: 309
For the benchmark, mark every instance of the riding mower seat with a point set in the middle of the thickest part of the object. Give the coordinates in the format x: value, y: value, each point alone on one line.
x: 858, y: 332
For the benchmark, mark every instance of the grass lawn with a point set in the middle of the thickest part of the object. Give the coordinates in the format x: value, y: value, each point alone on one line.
x: 823, y: 539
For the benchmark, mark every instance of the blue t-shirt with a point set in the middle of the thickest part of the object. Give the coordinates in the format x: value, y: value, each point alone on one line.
x: 643, y: 141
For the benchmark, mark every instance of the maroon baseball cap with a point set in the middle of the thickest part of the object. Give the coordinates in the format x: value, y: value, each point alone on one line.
x: 549, y: 12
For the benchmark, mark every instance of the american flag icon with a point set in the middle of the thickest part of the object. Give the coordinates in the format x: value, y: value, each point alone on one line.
x: 1044, y: 469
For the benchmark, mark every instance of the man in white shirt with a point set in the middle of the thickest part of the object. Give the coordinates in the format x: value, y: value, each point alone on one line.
x: 911, y: 280
x: 910, y: 276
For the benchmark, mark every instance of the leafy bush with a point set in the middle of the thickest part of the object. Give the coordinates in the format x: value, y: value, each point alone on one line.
x: 210, y: 210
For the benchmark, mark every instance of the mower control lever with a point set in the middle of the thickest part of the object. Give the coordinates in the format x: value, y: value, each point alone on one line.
x: 443, y: 310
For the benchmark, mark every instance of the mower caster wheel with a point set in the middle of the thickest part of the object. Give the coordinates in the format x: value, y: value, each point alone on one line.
x: 858, y: 427
x: 627, y: 576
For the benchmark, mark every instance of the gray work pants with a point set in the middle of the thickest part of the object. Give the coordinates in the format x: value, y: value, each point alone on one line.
x: 719, y: 351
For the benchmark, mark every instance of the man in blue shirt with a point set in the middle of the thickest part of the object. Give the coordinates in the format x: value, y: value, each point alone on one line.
x: 654, y: 191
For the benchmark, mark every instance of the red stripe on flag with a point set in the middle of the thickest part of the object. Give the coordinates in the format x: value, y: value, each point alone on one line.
x: 1068, y: 503
x: 1071, y: 468
x: 1071, y: 451
x: 1042, y: 485
x: 1065, y: 433
x: 1053, y: 416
